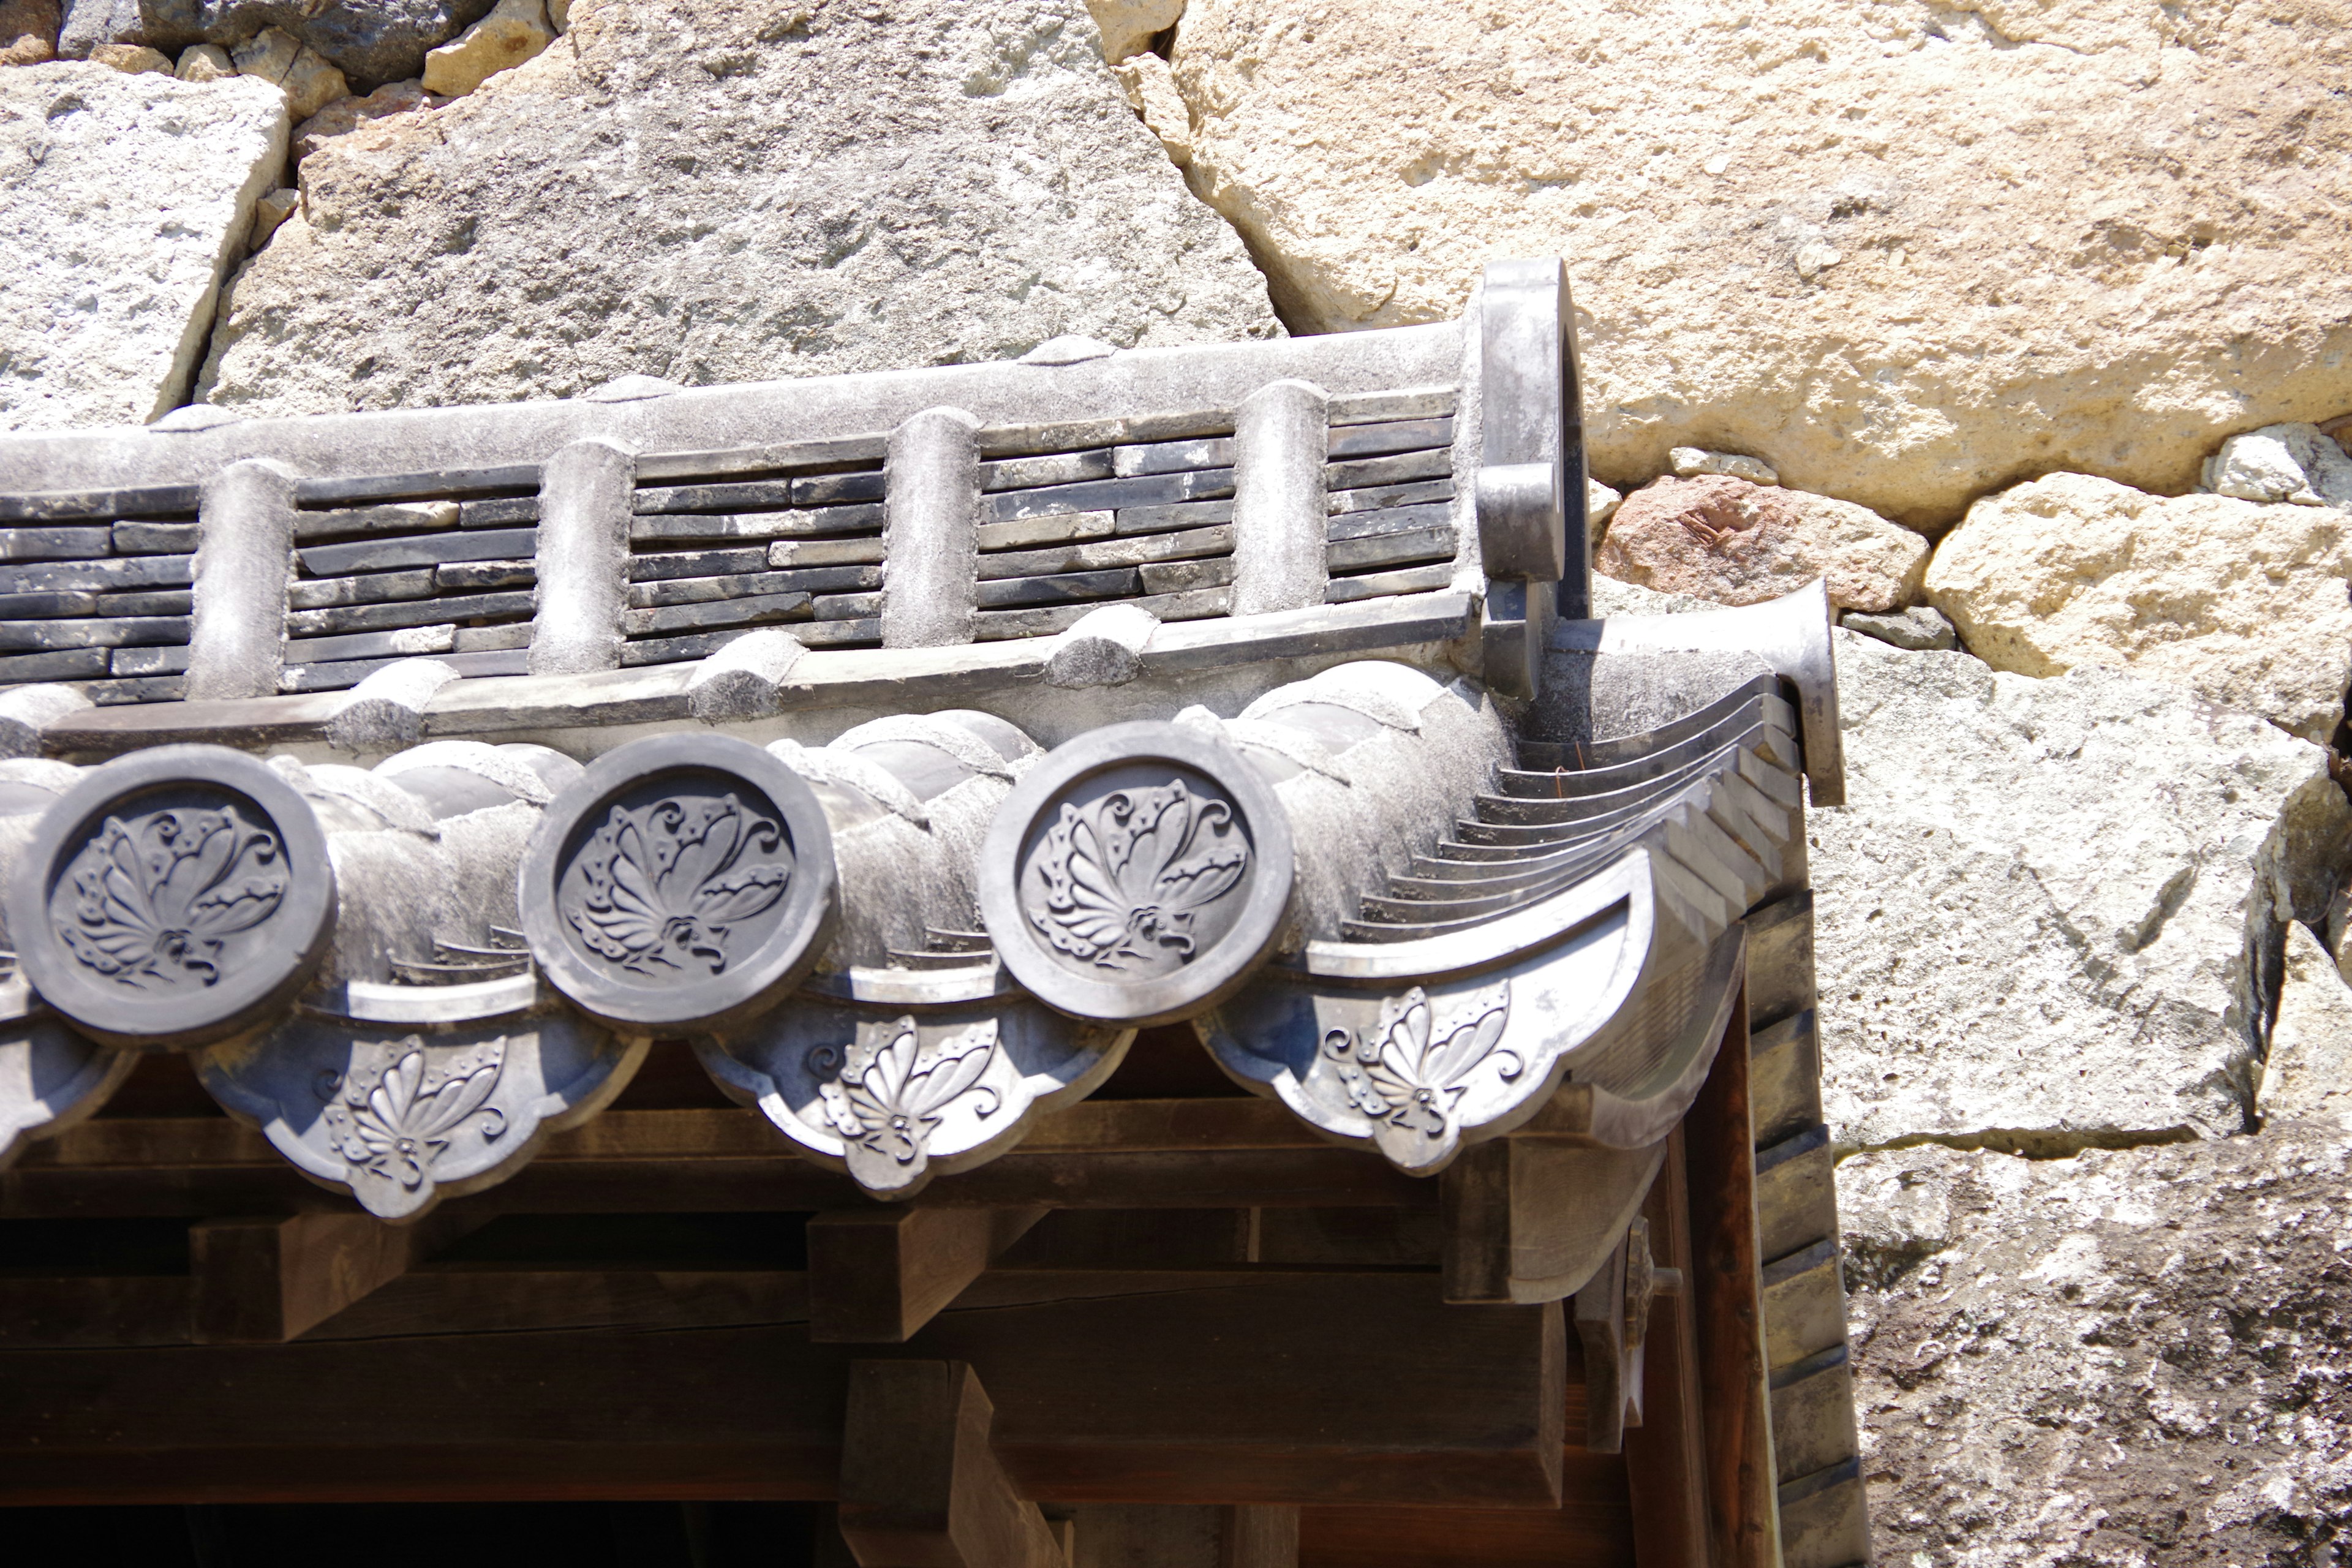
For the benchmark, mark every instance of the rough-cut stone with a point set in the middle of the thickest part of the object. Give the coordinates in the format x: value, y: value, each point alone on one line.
x: 2244, y: 603
x: 2283, y: 462
x: 309, y: 80
x: 512, y: 33
x: 1922, y: 628
x: 1128, y: 26
x: 28, y: 31
x: 897, y: 184
x: 89, y: 23
x: 2042, y: 910
x: 270, y: 212
x: 1151, y: 93
x: 346, y: 115
x: 97, y: 169
x: 204, y: 62
x: 1691, y: 462
x: 2308, y: 1072
x: 370, y: 41
x: 131, y: 59
x: 2131, y: 1357
x: 1905, y: 251
x: 1738, y: 542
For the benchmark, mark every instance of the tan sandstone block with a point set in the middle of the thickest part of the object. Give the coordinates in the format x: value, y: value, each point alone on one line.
x: 1128, y: 26
x: 309, y: 80
x: 1737, y: 542
x: 1908, y: 250
x: 133, y: 59
x: 28, y: 31
x: 508, y: 36
x: 2244, y: 604
x: 204, y: 62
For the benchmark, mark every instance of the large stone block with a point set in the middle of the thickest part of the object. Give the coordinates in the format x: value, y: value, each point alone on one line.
x: 2047, y: 910
x: 1738, y: 542
x: 2242, y: 602
x: 1904, y: 251
x: 707, y: 192
x: 2133, y: 1356
x: 123, y: 199
x: 370, y: 41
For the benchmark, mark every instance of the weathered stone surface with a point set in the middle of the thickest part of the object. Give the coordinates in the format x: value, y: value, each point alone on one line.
x: 1690, y: 462
x: 204, y: 62
x: 131, y: 59
x: 28, y: 31
x: 2283, y: 462
x: 1127, y: 26
x: 2131, y: 1357
x: 2039, y: 912
x: 122, y: 200
x: 348, y: 115
x: 1921, y: 628
x: 270, y: 212
x: 512, y: 33
x: 309, y: 78
x: 370, y: 41
x: 1904, y: 251
x: 2308, y: 1072
x: 1738, y: 542
x: 2244, y: 604
x: 804, y: 193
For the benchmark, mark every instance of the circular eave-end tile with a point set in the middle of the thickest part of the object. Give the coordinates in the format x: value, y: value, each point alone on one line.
x: 685, y: 882
x: 173, y: 897
x: 1137, y: 876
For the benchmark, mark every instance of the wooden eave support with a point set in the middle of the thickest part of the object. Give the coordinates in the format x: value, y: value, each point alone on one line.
x: 265, y: 1282
x: 921, y: 1487
x: 876, y: 1275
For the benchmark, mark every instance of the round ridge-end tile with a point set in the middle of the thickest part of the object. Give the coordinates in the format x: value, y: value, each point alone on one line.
x: 684, y: 882
x: 1137, y: 875
x: 173, y: 897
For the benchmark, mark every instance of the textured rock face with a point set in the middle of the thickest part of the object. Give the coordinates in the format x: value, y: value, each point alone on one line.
x: 372, y: 41
x: 122, y: 201
x: 1738, y: 542
x: 2283, y: 462
x: 2308, y: 1071
x: 2037, y: 912
x: 706, y: 192
x: 2134, y: 1356
x: 28, y: 31
x: 2244, y: 603
x: 1904, y: 251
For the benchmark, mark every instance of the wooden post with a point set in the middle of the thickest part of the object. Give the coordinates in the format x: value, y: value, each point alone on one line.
x: 1665, y: 1455
x: 877, y: 1275
x: 1727, y: 1280
x: 920, y: 1488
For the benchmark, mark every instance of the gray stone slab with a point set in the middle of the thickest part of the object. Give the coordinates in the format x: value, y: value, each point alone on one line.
x: 54, y: 506
x: 503, y: 511
x: 1181, y: 514
x: 147, y: 602
x: 1395, y: 519
x: 846, y: 606
x: 172, y: 661
x: 1065, y: 588
x: 1016, y: 440
x: 732, y: 496
x: 1029, y: 530
x: 816, y: 524
x: 400, y: 613
x: 1184, y: 576
x: 1144, y: 491
x: 44, y: 636
x: 321, y: 593
x: 394, y: 517
x: 486, y: 640
x: 706, y: 590
x: 473, y: 576
x: 996, y: 626
x: 757, y: 610
x: 697, y: 563
x: 427, y: 485
x: 638, y: 652
x: 1394, y: 436
x: 1388, y: 498
x: 1103, y: 554
x: 429, y: 550
x: 141, y: 689
x: 341, y: 675
x: 117, y: 571
x: 20, y: 607
x: 833, y: 490
x: 863, y: 632
x: 796, y: 552
x: 1435, y: 463
x: 408, y: 642
x: 1405, y: 402
x: 54, y: 543
x: 1049, y: 468
x: 1380, y: 550
x: 1381, y: 585
x: 700, y: 465
x: 1173, y: 457
x: 70, y: 664
x: 154, y: 538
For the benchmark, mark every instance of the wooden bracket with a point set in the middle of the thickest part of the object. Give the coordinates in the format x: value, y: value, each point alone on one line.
x: 265, y: 1282
x: 1612, y: 1320
x: 877, y: 1275
x: 921, y: 1487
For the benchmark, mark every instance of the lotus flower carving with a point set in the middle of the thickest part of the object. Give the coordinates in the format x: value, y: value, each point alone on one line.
x: 889, y: 1092
x: 1125, y: 876
x: 1408, y: 1074
x: 154, y: 903
x: 396, y: 1127
x: 663, y: 887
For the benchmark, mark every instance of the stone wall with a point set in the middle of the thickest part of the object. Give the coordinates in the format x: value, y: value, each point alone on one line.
x: 2028, y: 325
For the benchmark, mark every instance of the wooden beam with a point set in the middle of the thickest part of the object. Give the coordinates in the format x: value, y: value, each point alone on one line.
x: 876, y: 1275
x: 1533, y: 1219
x: 264, y: 1281
x: 1170, y: 1535
x: 1342, y: 1388
x: 1719, y: 1143
x: 1665, y: 1455
x: 921, y: 1487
